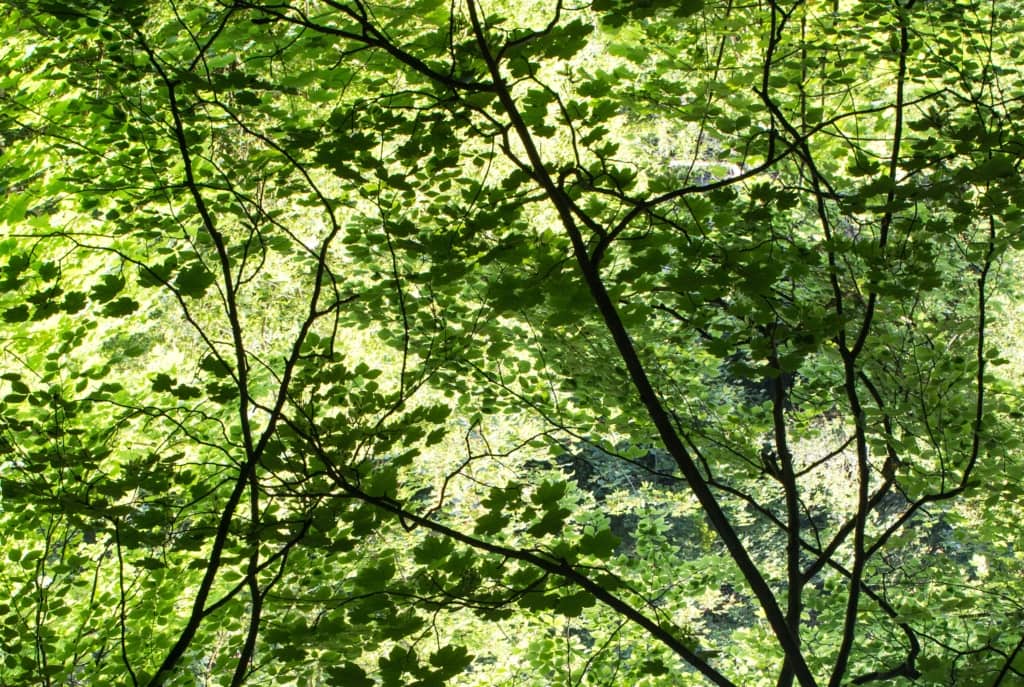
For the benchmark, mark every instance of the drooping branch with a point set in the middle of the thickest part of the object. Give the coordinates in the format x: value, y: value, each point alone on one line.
x: 537, y: 559
x: 369, y: 36
x: 638, y: 373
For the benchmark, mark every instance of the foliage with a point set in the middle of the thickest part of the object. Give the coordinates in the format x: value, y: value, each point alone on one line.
x: 522, y: 343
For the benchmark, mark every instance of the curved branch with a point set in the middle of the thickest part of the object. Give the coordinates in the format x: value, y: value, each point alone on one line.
x: 638, y: 373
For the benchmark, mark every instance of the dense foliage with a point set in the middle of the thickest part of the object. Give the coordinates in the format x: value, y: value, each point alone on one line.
x: 511, y: 342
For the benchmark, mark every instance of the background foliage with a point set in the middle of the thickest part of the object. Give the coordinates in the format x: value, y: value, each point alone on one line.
x: 511, y: 343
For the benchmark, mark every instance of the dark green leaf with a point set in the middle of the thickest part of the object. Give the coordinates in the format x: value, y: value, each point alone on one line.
x: 110, y: 285
x: 193, y: 279
x: 18, y: 313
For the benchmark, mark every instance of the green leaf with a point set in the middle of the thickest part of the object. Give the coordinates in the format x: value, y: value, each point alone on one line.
x: 492, y: 522
x: 49, y: 271
x: 186, y: 392
x: 216, y: 366
x: 162, y: 382
x: 349, y: 674
x: 601, y: 544
x: 685, y: 8
x: 158, y: 274
x: 655, y: 667
x: 395, y: 664
x: 18, y: 313
x: 121, y: 307
x: 862, y: 165
x: 433, y: 549
x: 14, y: 210
x: 551, y: 522
x: 74, y: 301
x: 572, y: 605
x: 374, y: 575
x: 549, y: 492
x: 247, y: 98
x: 450, y: 661
x: 110, y: 285
x: 997, y: 167
x: 193, y: 279
x: 568, y: 39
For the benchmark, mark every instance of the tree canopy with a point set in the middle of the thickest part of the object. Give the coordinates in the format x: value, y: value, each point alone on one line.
x: 509, y: 342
